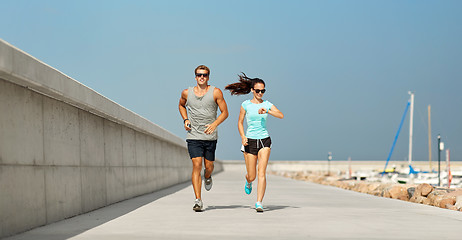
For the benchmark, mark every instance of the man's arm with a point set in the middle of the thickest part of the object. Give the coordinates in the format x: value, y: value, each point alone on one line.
x: 182, y: 108
x: 220, y: 100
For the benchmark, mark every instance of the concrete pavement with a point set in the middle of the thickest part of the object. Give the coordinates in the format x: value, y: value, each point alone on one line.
x: 293, y: 210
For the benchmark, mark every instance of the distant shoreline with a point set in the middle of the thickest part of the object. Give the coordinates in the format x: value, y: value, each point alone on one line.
x: 353, y: 160
x: 345, y: 165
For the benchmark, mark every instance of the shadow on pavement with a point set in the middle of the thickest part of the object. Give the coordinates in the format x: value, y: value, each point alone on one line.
x: 267, y: 208
x: 74, y: 226
x: 225, y: 207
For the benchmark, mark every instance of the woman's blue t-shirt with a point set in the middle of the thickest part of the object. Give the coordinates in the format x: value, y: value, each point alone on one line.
x: 256, y: 123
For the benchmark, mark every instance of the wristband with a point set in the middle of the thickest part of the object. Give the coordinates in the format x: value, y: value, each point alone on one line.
x: 185, y: 120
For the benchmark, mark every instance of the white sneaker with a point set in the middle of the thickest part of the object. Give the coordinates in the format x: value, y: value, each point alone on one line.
x: 198, y: 205
x: 259, y: 207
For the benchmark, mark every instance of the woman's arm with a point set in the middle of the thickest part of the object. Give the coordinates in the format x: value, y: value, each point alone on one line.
x: 240, y: 126
x: 274, y: 111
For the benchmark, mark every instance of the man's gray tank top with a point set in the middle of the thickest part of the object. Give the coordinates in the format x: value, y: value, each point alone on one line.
x: 201, y: 111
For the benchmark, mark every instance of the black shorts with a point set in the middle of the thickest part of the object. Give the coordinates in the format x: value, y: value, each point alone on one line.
x: 254, y: 145
x: 202, y: 148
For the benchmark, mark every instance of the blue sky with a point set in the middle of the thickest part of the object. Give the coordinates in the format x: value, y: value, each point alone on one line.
x: 339, y: 70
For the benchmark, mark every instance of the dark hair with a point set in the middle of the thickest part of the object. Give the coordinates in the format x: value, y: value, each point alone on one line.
x: 244, y: 85
x: 202, y: 67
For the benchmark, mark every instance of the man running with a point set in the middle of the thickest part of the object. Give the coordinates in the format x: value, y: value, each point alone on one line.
x: 198, y: 108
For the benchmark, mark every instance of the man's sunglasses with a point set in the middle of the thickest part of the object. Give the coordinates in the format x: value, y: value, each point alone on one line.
x: 258, y: 90
x: 202, y: 74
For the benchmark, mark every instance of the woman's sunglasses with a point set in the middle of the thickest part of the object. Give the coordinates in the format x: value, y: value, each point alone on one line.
x: 260, y: 90
x: 202, y: 74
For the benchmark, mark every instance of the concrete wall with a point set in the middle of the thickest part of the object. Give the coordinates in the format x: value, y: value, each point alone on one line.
x: 66, y: 150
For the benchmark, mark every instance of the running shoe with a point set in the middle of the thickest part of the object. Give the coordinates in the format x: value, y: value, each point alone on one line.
x: 259, y: 207
x: 248, y: 187
x: 197, y: 205
x: 207, y: 182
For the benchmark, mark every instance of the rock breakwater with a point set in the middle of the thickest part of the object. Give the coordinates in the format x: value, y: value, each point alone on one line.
x: 449, y: 198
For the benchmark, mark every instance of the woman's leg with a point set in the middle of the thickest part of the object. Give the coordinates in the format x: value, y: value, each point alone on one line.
x: 263, y: 157
x: 251, y: 166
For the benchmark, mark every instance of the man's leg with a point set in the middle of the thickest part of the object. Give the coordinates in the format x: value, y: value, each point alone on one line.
x: 196, y: 176
x: 208, y: 168
x: 209, y: 157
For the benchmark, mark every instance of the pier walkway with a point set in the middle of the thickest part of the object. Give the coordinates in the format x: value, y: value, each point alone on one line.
x: 293, y: 210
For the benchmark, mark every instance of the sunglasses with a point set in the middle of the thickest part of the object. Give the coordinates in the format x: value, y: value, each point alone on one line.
x: 202, y: 74
x: 260, y: 90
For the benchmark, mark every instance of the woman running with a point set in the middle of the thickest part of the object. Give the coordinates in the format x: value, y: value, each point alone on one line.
x: 256, y: 142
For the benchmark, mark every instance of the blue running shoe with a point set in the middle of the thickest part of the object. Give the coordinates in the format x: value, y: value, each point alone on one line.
x: 259, y: 207
x: 248, y: 187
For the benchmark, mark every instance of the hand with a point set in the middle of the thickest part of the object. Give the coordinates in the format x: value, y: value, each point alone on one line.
x: 210, y: 128
x: 187, y: 125
x: 245, y: 141
x: 262, y: 111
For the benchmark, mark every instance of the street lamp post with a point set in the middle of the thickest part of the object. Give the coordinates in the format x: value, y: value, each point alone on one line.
x: 439, y: 153
x: 329, y: 157
x: 440, y: 148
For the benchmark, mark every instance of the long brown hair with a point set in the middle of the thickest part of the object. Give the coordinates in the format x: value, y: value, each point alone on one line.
x: 244, y: 85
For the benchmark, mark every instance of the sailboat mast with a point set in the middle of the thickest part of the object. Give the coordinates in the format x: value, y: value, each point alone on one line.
x: 411, y: 119
x: 429, y: 137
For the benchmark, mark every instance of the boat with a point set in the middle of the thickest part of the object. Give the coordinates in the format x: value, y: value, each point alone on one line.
x: 415, y: 176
